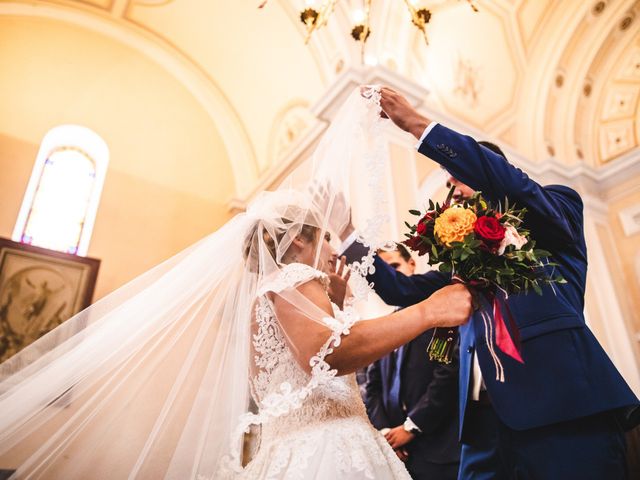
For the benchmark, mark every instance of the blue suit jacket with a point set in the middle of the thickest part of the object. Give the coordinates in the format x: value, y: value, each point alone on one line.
x: 429, y: 393
x: 566, y: 374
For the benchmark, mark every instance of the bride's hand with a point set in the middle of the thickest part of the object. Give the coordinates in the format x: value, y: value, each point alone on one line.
x: 338, y: 283
x: 448, y: 307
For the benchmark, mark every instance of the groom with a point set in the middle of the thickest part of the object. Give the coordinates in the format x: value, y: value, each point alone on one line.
x: 561, y: 414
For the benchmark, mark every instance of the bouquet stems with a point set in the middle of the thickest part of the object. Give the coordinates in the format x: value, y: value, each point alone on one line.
x: 440, y: 348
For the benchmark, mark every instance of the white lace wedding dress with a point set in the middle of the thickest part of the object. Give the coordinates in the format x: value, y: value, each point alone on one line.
x: 313, y: 426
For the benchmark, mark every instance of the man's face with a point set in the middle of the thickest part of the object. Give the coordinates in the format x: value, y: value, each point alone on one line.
x: 396, y: 261
x: 462, y: 191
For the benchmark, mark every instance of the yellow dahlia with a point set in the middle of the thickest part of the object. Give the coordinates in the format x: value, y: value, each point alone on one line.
x: 454, y: 224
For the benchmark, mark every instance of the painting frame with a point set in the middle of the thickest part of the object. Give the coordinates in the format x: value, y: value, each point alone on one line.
x: 39, y: 290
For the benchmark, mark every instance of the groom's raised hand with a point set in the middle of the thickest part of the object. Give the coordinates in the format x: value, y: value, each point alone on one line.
x: 398, y: 109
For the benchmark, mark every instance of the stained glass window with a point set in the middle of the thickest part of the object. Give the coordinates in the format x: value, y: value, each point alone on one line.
x: 61, y: 200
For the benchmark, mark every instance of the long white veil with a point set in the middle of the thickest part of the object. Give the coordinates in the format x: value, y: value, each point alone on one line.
x: 152, y: 381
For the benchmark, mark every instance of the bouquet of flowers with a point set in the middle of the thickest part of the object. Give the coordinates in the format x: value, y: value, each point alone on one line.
x: 487, y: 248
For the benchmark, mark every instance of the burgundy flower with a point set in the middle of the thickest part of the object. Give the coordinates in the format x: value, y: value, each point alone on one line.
x: 417, y: 245
x: 425, y: 224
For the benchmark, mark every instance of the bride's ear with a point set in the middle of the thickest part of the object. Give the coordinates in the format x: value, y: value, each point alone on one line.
x: 299, y: 241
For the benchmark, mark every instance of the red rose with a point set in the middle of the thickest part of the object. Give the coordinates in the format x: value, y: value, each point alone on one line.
x: 425, y: 224
x: 490, y: 230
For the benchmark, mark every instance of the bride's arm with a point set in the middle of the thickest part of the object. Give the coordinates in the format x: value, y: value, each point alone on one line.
x: 371, y: 339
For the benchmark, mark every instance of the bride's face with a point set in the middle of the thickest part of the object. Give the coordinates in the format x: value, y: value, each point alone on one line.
x: 328, y: 255
x: 307, y: 250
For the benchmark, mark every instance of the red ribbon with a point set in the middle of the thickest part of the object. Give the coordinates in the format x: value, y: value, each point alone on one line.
x: 503, y: 338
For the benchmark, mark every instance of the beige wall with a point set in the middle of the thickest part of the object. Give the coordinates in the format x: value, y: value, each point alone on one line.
x: 627, y: 253
x: 169, y: 175
x: 140, y: 224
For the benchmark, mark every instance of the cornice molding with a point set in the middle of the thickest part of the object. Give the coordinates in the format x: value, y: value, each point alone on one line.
x: 597, y: 183
x: 325, y: 110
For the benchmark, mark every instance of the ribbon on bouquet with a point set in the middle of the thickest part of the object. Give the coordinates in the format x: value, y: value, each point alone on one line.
x: 495, y: 329
x: 501, y: 337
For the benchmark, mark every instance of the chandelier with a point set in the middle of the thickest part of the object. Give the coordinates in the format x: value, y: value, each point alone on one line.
x: 315, y: 18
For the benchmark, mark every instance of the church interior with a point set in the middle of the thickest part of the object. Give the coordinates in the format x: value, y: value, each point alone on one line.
x: 175, y: 113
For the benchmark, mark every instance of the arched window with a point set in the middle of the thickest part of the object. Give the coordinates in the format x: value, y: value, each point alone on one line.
x: 60, y: 204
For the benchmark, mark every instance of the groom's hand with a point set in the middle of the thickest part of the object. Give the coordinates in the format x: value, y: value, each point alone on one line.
x: 401, y: 112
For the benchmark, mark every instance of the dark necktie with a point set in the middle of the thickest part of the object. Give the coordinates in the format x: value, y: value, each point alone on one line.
x: 395, y: 405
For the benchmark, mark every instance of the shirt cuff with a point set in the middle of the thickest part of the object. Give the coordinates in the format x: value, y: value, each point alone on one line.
x: 425, y: 133
x: 409, y: 425
x: 349, y: 241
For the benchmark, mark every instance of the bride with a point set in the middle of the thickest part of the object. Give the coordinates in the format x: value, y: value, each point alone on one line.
x: 235, y: 358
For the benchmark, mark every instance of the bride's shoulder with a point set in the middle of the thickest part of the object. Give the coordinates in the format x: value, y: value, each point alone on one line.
x: 293, y: 275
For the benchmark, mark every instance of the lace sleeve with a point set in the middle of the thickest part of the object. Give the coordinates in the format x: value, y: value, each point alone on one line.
x: 290, y: 276
x: 286, y: 395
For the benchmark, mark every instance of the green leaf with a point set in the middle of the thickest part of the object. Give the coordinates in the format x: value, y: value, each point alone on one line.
x: 414, y: 212
x: 536, y: 288
x: 445, y: 267
x: 450, y: 194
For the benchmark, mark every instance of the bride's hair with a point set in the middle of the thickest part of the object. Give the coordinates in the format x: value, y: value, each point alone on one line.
x: 293, y: 217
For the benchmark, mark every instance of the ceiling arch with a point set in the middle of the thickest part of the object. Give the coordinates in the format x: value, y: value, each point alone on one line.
x: 202, y: 88
x: 576, y: 127
x: 517, y: 74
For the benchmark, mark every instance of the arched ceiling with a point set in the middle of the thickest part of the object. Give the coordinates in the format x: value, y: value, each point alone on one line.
x: 549, y: 78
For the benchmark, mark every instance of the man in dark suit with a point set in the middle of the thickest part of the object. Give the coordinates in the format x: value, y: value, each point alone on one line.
x: 413, y: 401
x: 562, y: 412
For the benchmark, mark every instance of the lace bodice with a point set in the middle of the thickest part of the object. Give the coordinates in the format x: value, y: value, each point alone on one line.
x: 280, y: 387
x: 291, y: 401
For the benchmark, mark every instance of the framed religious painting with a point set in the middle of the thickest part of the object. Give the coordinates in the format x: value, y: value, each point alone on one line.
x: 39, y: 290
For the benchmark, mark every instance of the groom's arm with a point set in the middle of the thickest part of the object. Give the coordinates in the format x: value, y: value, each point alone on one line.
x: 394, y: 287
x: 552, y: 212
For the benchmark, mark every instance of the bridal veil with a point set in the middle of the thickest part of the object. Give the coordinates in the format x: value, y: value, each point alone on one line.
x: 152, y: 381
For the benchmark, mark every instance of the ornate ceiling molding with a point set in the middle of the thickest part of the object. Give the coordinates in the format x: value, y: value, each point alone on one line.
x: 324, y: 111
x: 580, y: 86
x: 599, y: 183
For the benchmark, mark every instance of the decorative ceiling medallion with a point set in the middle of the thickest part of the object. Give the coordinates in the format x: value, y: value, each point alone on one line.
x: 467, y: 82
x: 616, y: 138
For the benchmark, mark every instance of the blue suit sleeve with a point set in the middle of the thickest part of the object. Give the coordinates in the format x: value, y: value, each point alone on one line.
x: 553, y: 213
x: 401, y: 290
x: 394, y: 287
x: 374, y: 403
x: 440, y: 398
